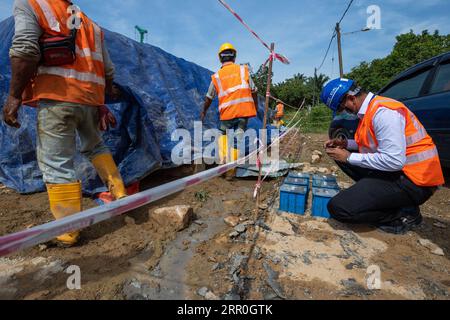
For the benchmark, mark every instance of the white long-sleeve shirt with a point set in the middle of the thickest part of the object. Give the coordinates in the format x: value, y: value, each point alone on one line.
x: 389, y: 126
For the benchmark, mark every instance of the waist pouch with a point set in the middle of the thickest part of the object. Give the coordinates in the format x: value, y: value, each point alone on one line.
x: 58, y: 50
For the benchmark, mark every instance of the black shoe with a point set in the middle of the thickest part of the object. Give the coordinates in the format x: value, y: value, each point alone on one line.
x: 412, y: 219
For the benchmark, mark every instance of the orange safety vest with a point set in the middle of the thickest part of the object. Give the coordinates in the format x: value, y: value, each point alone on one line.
x: 422, y: 165
x: 83, y: 81
x: 233, y: 90
x: 280, y: 111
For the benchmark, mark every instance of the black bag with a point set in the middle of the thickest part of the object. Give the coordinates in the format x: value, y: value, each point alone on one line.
x: 58, y: 50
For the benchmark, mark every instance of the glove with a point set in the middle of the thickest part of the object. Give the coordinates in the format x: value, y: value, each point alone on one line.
x: 106, y: 118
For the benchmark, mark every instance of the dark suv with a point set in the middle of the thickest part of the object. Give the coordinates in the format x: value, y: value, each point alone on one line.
x: 425, y: 90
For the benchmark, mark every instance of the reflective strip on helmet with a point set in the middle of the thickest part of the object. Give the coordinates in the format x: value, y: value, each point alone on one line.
x: 87, y: 53
x: 72, y: 74
x: 422, y: 156
x: 234, y: 102
x: 49, y: 16
x: 243, y: 85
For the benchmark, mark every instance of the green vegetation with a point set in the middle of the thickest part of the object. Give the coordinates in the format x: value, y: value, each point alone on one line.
x: 315, y: 121
x: 202, y: 196
x: 293, y: 91
x: 409, y: 50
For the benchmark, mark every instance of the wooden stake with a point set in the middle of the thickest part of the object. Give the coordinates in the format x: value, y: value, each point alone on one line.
x: 266, y: 112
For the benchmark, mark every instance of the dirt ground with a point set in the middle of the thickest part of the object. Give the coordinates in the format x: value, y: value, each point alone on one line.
x: 269, y: 255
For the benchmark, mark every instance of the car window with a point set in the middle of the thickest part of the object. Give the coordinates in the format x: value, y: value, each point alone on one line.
x: 407, y: 88
x: 442, y: 80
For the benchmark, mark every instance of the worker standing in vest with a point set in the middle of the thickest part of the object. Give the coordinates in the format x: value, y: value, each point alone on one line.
x: 70, y: 98
x: 279, y: 115
x: 238, y: 101
x: 393, y: 160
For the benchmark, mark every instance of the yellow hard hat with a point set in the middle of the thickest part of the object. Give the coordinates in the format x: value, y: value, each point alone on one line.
x: 226, y: 46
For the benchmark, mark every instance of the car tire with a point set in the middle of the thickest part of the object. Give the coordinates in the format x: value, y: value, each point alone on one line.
x: 341, y: 133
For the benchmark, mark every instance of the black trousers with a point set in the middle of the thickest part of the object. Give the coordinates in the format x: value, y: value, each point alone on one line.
x: 377, y: 197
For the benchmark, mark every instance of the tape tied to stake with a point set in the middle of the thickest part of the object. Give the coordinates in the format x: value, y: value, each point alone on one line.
x: 273, y: 55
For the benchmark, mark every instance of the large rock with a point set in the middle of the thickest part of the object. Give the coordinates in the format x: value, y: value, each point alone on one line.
x: 324, y: 171
x: 317, y: 153
x: 315, y: 159
x: 178, y: 217
x: 434, y: 249
x: 232, y: 221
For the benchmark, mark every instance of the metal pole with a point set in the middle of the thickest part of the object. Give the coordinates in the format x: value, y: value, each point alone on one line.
x: 266, y: 111
x: 341, y: 65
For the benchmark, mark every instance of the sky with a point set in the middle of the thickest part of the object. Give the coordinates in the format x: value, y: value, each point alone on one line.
x: 301, y: 29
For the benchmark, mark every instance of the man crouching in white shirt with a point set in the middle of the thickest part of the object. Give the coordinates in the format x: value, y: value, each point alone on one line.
x: 393, y: 161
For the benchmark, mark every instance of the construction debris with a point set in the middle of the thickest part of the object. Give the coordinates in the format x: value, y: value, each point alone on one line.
x: 232, y: 221
x: 315, y: 159
x: 178, y: 217
x: 240, y: 228
x: 272, y: 278
x: 434, y: 249
x: 440, y: 225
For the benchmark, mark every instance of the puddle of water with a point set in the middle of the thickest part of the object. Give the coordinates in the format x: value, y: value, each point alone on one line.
x: 171, y: 271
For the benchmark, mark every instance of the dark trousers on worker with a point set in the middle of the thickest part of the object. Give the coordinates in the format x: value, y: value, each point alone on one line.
x: 378, y: 198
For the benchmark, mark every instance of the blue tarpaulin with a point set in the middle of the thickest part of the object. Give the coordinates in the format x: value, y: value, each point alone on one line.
x: 162, y: 93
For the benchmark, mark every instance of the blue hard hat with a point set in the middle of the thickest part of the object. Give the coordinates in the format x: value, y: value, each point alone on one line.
x: 334, y: 91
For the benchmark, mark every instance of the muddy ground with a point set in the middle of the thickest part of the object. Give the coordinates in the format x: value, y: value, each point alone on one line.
x: 270, y: 255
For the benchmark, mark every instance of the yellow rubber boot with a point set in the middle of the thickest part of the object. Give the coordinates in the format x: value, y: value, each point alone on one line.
x: 234, y: 156
x: 110, y: 175
x: 65, y: 200
x: 223, y: 149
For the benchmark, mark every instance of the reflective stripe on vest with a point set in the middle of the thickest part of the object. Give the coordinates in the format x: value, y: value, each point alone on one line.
x: 410, y: 140
x: 419, y: 135
x: 52, y: 21
x: 234, y: 102
x: 83, y: 81
x: 422, y: 156
x: 222, y: 93
x: 98, y: 39
x: 87, y: 53
x: 71, y: 73
x: 49, y: 16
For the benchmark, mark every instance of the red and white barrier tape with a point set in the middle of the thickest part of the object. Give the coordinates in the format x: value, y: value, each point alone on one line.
x: 273, y: 55
x: 46, y: 232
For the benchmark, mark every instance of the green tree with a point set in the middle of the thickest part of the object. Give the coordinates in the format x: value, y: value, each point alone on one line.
x: 409, y: 50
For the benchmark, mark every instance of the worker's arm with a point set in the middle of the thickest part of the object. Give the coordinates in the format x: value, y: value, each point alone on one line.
x: 25, y: 55
x: 210, y: 96
x: 112, y: 91
x: 389, y: 126
x: 206, y: 106
x: 22, y: 71
x: 352, y: 145
x: 25, y: 42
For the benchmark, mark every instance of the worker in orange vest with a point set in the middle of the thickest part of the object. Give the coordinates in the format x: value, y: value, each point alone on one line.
x: 238, y: 101
x: 60, y: 64
x: 393, y: 160
x: 279, y: 115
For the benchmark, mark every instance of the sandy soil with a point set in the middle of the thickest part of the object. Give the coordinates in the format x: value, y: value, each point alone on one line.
x: 274, y: 255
